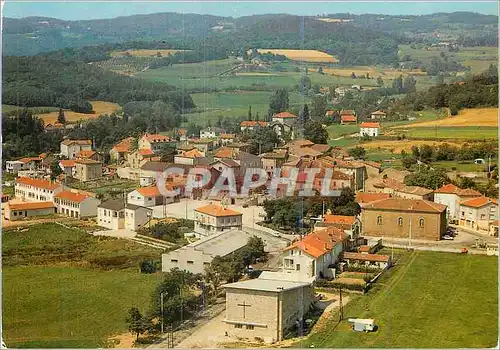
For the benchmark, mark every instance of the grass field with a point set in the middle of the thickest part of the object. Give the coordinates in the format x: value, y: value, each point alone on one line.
x: 65, y: 288
x: 461, y: 166
x: 429, y: 300
x: 302, y: 55
x: 337, y: 130
x: 99, y: 107
x: 453, y: 133
x: 144, y: 53
x: 398, y: 145
x: 466, y: 117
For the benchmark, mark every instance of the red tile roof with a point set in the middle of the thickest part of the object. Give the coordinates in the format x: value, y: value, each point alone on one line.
x: 67, y: 163
x: 124, y: 145
x: 227, y: 136
x: 366, y: 257
x: 31, y: 205
x: 365, y: 197
x: 378, y: 113
x: 72, y: 196
x: 284, y: 115
x: 151, y: 191
x: 30, y: 159
x: 145, y: 152
x: 369, y: 125
x: 87, y: 161
x: 479, y: 202
x: 156, y: 138
x: 38, y: 183
x: 217, y: 210
x: 224, y: 152
x: 319, y: 242
x: 329, y: 113
x: 248, y: 123
x: 68, y: 142
x: 85, y: 154
x: 348, y: 118
x: 452, y: 189
x: 401, y: 204
x: 347, y: 112
x: 339, y: 219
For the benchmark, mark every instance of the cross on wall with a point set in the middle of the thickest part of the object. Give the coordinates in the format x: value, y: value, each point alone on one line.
x: 244, y: 305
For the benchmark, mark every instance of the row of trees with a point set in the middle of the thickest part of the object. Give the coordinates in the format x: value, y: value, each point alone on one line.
x: 445, y: 151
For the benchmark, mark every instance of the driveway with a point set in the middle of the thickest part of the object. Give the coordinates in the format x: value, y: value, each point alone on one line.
x: 121, y: 233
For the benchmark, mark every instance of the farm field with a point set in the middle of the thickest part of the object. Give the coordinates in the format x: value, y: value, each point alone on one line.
x: 462, y: 166
x: 466, y: 117
x: 429, y: 300
x: 99, y: 107
x: 144, y: 53
x: 452, y: 133
x: 374, y: 72
x: 398, y: 145
x: 302, y: 55
x: 81, y: 286
x: 338, y: 130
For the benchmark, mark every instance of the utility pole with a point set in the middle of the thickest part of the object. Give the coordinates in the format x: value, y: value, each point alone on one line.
x: 162, y: 313
x: 340, y: 304
x: 409, y: 242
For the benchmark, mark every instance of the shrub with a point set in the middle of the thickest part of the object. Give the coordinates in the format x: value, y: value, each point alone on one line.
x: 148, y: 266
x: 367, y: 269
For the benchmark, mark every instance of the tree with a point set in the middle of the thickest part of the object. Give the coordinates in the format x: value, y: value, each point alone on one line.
x: 318, y: 107
x: 315, y: 132
x: 380, y: 81
x: 357, y: 152
x: 55, y: 169
x: 397, y: 84
x: 250, y: 112
x: 278, y: 102
x: 303, y: 115
x: 134, y: 145
x: 60, y: 117
x: 136, y: 322
x: 320, y: 70
x: 466, y: 182
x: 261, y: 140
x: 304, y: 84
x: 345, y: 204
x: 212, y: 279
x: 432, y: 179
x: 409, y: 84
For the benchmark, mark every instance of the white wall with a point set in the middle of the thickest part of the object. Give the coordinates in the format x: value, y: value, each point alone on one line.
x: 135, y: 219
x: 197, y: 260
x: 451, y: 201
x: 105, y: 219
x: 136, y: 198
x: 33, y: 194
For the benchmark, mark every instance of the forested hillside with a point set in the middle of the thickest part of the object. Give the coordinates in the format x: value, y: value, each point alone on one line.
x: 65, y: 83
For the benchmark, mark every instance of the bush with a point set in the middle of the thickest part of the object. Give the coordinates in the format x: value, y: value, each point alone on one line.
x: 336, y: 285
x: 148, y: 266
x: 367, y: 269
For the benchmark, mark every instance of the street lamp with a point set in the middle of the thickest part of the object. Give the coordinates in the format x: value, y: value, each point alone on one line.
x: 280, y: 289
x: 162, y: 310
x: 148, y: 214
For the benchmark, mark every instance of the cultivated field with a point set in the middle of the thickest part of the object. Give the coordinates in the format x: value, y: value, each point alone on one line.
x: 144, y: 53
x: 302, y: 55
x: 63, y: 288
x: 99, y: 107
x: 452, y: 132
x: 374, y: 72
x: 398, y: 145
x: 466, y: 117
x: 429, y: 300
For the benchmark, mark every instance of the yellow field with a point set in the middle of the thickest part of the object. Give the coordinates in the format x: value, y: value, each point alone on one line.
x: 302, y: 55
x: 466, y: 117
x: 363, y: 70
x: 398, y: 145
x: 144, y: 53
x: 99, y: 107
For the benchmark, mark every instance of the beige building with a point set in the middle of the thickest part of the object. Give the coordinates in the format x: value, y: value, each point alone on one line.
x: 154, y: 142
x: 478, y: 213
x: 272, y: 160
x: 355, y: 169
x: 115, y: 214
x: 214, y: 218
x: 137, y: 158
x: 451, y: 196
x: 87, y: 169
x: 18, y: 211
x: 265, y: 309
x: 403, y: 218
x: 36, y: 190
x: 70, y: 148
x: 398, y: 189
x: 121, y: 150
x: 195, y: 256
x: 76, y: 205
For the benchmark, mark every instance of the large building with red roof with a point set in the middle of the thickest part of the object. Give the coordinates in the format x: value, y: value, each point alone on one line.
x: 36, y: 190
x: 403, y: 218
x: 76, y: 204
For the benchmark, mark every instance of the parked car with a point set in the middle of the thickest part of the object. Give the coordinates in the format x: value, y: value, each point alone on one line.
x: 448, y: 237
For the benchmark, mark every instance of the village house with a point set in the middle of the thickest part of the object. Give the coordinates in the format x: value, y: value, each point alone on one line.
x: 68, y: 167
x: 398, y: 189
x: 239, y: 147
x: 70, y: 148
x: 36, y: 190
x: 367, y: 259
x: 378, y: 115
x: 92, y: 155
x: 28, y: 163
x: 138, y: 157
x: 121, y: 150
x: 355, y: 169
x: 203, y: 145
x: 189, y: 157
x: 252, y: 125
x: 372, y: 184
x: 211, y: 132
x: 76, y: 205
x: 348, y: 117
x: 272, y: 160
x: 214, y: 218
x: 226, y: 139
x: 284, y: 123
x: 87, y: 170
x: 18, y: 211
x: 350, y: 224
x: 403, y: 218
x: 367, y: 197
x: 154, y: 142
x: 265, y: 309
x: 115, y: 215
x: 315, y: 255
x: 373, y: 169
x: 478, y: 213
x: 369, y: 129
x: 150, y: 196
x: 451, y: 196
x: 196, y: 256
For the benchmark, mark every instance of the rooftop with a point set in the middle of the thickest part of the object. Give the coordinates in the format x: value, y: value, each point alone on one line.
x: 366, y: 197
x: 31, y: 205
x: 452, y: 189
x: 247, y: 123
x: 156, y: 138
x: 400, y: 204
x: 339, y: 219
x: 113, y: 204
x: 222, y: 243
x: 72, y: 196
x: 124, y: 145
x: 265, y: 285
x: 87, y: 162
x: 85, y: 154
x: 479, y: 202
x: 284, y: 115
x: 69, y: 142
x: 366, y: 257
x: 369, y: 125
x: 217, y: 210
x: 38, y: 183
x: 154, y: 166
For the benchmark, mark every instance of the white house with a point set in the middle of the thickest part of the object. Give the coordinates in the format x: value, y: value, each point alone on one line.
x: 29, y: 163
x: 148, y: 197
x: 213, y: 218
x: 76, y: 205
x: 115, y: 214
x: 378, y: 115
x: 70, y: 148
x: 210, y: 133
x: 313, y: 257
x: 369, y: 129
x: 17, y: 211
x: 451, y: 196
x: 478, y: 213
x: 68, y: 167
x: 251, y: 125
x: 36, y: 190
x: 195, y: 256
x: 284, y: 117
x: 188, y: 157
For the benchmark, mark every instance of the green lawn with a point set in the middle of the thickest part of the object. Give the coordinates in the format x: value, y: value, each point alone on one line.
x: 429, y: 300
x: 337, y: 130
x: 65, y: 288
x: 107, y: 187
x: 451, y: 132
x: 459, y: 166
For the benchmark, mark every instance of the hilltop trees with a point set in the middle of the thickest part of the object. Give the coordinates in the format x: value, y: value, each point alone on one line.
x: 279, y: 102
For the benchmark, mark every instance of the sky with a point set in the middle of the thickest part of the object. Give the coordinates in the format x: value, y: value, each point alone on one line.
x: 97, y: 9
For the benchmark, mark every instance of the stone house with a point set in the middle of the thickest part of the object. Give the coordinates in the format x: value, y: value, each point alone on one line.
x: 87, y: 170
x: 403, y: 218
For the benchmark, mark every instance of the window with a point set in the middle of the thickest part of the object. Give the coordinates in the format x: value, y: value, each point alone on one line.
x: 250, y: 327
x: 421, y: 222
x: 400, y: 221
x: 190, y: 262
x: 238, y: 326
x: 15, y: 213
x: 379, y: 220
x: 173, y: 260
x: 482, y: 216
x: 298, y: 267
x: 463, y: 213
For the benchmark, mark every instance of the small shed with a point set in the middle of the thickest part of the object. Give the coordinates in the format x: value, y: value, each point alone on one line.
x: 362, y: 324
